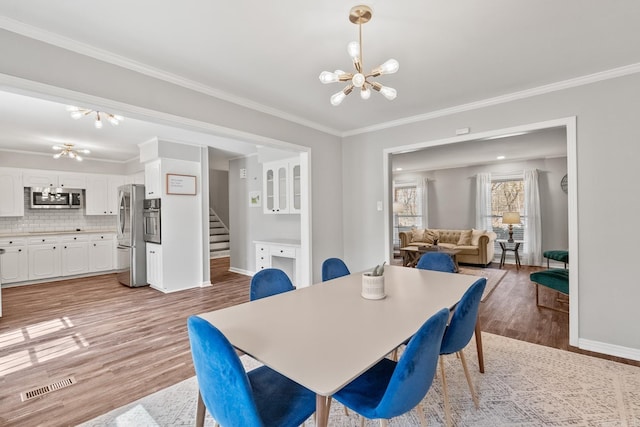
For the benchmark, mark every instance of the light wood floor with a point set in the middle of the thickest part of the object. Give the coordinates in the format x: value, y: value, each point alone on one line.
x: 121, y: 344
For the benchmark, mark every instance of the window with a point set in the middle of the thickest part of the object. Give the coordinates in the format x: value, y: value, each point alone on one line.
x: 406, y: 207
x: 507, y: 196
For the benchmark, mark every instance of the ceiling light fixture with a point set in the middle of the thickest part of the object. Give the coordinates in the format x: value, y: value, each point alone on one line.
x: 77, y: 112
x: 68, y: 151
x: 360, y: 15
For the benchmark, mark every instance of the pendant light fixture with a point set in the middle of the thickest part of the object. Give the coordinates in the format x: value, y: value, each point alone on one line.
x: 360, y: 15
x: 68, y: 151
x: 77, y: 112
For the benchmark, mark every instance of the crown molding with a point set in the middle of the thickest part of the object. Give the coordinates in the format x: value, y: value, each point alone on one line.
x: 130, y: 64
x: 540, y: 90
x: 109, y: 57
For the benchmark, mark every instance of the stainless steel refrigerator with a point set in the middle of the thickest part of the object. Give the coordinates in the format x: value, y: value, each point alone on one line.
x: 132, y: 263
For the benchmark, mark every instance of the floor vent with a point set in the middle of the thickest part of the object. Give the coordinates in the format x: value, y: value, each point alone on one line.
x: 39, y: 391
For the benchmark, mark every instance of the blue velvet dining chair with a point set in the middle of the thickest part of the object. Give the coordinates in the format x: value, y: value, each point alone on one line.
x: 270, y: 281
x: 436, y: 261
x: 458, y: 334
x: 333, y: 268
x: 389, y: 388
x: 261, y: 397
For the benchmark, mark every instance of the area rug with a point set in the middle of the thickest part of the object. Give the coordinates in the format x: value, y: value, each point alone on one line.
x: 493, y: 276
x: 523, y: 385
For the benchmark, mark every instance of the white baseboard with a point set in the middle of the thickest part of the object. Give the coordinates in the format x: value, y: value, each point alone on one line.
x: 609, y: 349
x: 206, y: 284
x: 241, y: 271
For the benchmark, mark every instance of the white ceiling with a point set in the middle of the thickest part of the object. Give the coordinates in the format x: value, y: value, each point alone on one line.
x: 271, y: 53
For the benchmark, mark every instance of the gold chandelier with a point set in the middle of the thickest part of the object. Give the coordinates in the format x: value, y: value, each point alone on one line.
x: 68, y: 151
x: 360, y: 15
x: 77, y: 112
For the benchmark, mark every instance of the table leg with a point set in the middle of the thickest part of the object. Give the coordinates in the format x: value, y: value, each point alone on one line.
x: 322, y: 411
x: 516, y: 250
x: 478, y: 334
x: 504, y: 253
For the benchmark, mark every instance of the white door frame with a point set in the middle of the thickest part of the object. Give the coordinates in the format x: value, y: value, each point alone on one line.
x: 569, y: 123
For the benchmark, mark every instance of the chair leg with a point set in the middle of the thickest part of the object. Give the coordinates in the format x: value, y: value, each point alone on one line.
x: 200, y: 411
x: 447, y: 408
x: 423, y: 419
x: 478, y: 334
x: 384, y: 422
x: 466, y: 374
x: 361, y: 421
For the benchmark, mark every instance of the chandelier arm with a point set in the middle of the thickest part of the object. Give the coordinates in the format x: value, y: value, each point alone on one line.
x: 360, y: 44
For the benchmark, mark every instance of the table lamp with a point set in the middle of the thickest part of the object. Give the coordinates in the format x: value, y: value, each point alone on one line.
x: 511, y: 218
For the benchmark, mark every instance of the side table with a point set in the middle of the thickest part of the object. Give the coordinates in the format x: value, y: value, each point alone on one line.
x: 515, y: 250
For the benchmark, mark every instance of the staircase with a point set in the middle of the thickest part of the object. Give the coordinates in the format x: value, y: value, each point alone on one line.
x: 218, y: 237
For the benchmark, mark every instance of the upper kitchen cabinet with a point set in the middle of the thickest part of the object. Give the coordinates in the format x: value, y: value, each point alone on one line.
x: 12, y: 191
x: 36, y: 178
x: 152, y: 180
x: 101, y: 196
x: 281, y: 186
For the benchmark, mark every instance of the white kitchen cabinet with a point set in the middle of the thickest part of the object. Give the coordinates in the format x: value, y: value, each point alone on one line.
x: 101, y: 252
x: 44, y: 258
x: 283, y: 254
x: 101, y: 196
x: 74, y: 255
x: 15, y: 262
x: 12, y: 192
x: 152, y: 180
x: 279, y: 181
x: 154, y: 265
x: 36, y: 178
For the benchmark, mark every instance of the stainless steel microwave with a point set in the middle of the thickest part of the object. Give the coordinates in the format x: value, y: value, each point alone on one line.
x: 55, y: 198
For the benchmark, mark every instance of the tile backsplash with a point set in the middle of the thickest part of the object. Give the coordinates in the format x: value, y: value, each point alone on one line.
x: 35, y: 220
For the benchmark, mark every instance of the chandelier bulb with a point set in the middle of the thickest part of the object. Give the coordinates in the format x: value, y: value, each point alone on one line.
x: 337, y: 98
x: 98, y: 123
x: 57, y: 155
x: 388, y: 92
x: 78, y: 158
x: 389, y: 67
x: 76, y: 115
x: 329, y: 77
x: 365, y: 93
x: 358, y: 80
x: 113, y: 120
x: 353, y: 48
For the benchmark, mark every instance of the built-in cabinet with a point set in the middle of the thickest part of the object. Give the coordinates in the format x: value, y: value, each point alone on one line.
x: 15, y: 261
x: 101, y: 196
x: 281, y: 186
x: 36, y: 178
x: 282, y: 254
x: 56, y: 255
x: 153, y: 180
x: 12, y: 192
x: 154, y: 265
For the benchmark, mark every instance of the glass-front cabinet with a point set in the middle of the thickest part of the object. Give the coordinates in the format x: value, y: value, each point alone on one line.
x: 281, y: 186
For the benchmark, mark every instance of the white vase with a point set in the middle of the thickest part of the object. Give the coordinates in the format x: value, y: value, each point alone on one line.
x: 372, y: 286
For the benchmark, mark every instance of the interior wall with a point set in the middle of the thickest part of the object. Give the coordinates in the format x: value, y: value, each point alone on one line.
x: 219, y: 194
x: 250, y: 223
x: 451, y: 203
x: 120, y: 88
x: 607, y: 153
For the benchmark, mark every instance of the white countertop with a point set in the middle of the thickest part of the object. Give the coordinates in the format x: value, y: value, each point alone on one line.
x: 49, y: 233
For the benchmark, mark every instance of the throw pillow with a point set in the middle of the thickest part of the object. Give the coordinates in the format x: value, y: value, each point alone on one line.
x: 417, y: 234
x: 465, y: 238
x: 431, y: 236
x: 475, y: 236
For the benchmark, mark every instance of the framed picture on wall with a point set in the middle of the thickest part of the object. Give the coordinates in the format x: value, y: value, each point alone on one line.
x: 181, y: 184
x: 255, y: 199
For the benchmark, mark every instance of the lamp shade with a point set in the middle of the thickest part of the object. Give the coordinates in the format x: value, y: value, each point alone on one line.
x: 511, y: 218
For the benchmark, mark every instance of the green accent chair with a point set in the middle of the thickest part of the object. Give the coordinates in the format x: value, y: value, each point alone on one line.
x: 556, y: 279
x: 557, y: 255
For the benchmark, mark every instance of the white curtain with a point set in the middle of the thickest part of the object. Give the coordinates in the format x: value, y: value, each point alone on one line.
x: 483, y: 202
x: 533, y: 229
x: 422, y: 198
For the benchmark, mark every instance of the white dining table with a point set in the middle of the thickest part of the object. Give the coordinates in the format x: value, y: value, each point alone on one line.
x: 325, y: 335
